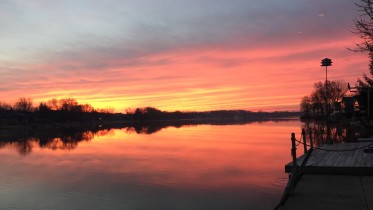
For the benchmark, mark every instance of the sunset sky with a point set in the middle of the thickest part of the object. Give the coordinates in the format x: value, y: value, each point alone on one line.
x: 173, y: 54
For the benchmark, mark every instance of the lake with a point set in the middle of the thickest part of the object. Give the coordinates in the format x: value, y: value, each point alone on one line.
x: 187, y: 167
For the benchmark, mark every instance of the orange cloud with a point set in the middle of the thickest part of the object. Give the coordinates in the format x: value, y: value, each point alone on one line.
x: 202, y: 78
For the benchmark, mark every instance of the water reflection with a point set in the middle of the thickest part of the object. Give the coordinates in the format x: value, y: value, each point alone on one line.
x: 192, y: 167
x: 152, y: 166
x: 57, y: 139
x: 68, y: 138
x: 334, y: 132
x: 155, y: 126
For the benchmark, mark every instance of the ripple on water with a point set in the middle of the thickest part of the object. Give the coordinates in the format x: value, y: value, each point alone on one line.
x: 280, y: 182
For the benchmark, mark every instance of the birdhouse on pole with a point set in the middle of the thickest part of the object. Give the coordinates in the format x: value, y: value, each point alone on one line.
x: 326, y: 62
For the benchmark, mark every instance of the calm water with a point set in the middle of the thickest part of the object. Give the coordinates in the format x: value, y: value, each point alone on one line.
x: 193, y: 167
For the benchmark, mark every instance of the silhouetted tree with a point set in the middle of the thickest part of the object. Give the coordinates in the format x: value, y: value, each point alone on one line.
x: 107, y: 110
x: 5, y: 106
x: 87, y: 108
x: 23, y: 105
x: 364, y: 30
x: 364, y: 27
x: 129, y: 111
x: 69, y: 104
x: 323, y: 99
x: 306, y: 104
x: 53, y: 104
x: 43, y: 107
x: 148, y: 113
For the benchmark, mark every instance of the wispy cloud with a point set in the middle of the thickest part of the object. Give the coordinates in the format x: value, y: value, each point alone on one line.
x: 174, y: 54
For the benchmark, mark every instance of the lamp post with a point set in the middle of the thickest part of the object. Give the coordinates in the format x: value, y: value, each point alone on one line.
x: 326, y: 62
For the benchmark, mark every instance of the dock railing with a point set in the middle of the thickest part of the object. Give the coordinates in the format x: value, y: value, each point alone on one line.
x: 342, y: 151
x: 296, y: 173
x: 308, y: 148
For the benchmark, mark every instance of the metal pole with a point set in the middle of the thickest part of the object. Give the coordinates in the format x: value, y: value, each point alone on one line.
x: 326, y: 62
x: 326, y: 91
x: 304, y: 140
x: 293, y: 150
x: 369, y: 103
x: 311, y: 141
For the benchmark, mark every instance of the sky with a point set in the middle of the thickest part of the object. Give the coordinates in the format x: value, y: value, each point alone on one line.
x: 175, y: 55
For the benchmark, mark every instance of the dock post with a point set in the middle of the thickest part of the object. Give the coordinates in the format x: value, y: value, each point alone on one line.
x: 304, y: 140
x: 311, y: 140
x: 293, y: 150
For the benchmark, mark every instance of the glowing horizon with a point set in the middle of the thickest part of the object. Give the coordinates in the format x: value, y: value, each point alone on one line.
x: 175, y: 55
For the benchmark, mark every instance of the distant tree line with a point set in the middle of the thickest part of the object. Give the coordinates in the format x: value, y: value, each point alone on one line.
x: 69, y: 110
x: 59, y: 111
x: 151, y: 114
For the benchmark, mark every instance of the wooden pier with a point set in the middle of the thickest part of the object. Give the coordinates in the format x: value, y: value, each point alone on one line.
x: 340, y: 158
x: 331, y: 192
x: 333, y: 176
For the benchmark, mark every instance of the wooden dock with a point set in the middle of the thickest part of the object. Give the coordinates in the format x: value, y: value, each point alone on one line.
x: 334, y: 176
x: 339, y: 158
x: 331, y: 192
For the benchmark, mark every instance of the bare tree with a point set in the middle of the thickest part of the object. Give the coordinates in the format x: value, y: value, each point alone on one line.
x: 69, y: 104
x: 23, y: 105
x: 337, y: 90
x: 53, y: 104
x: 306, y: 104
x: 364, y: 26
x: 364, y: 30
x: 87, y: 108
x: 323, y: 99
x: 5, y: 106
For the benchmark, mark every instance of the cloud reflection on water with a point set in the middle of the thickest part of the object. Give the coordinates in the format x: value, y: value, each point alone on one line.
x: 202, y: 166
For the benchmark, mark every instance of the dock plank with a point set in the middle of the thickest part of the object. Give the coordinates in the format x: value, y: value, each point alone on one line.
x: 340, y: 178
x: 313, y: 158
x: 322, y: 158
x: 330, y: 192
x: 341, y: 158
x: 353, y: 158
